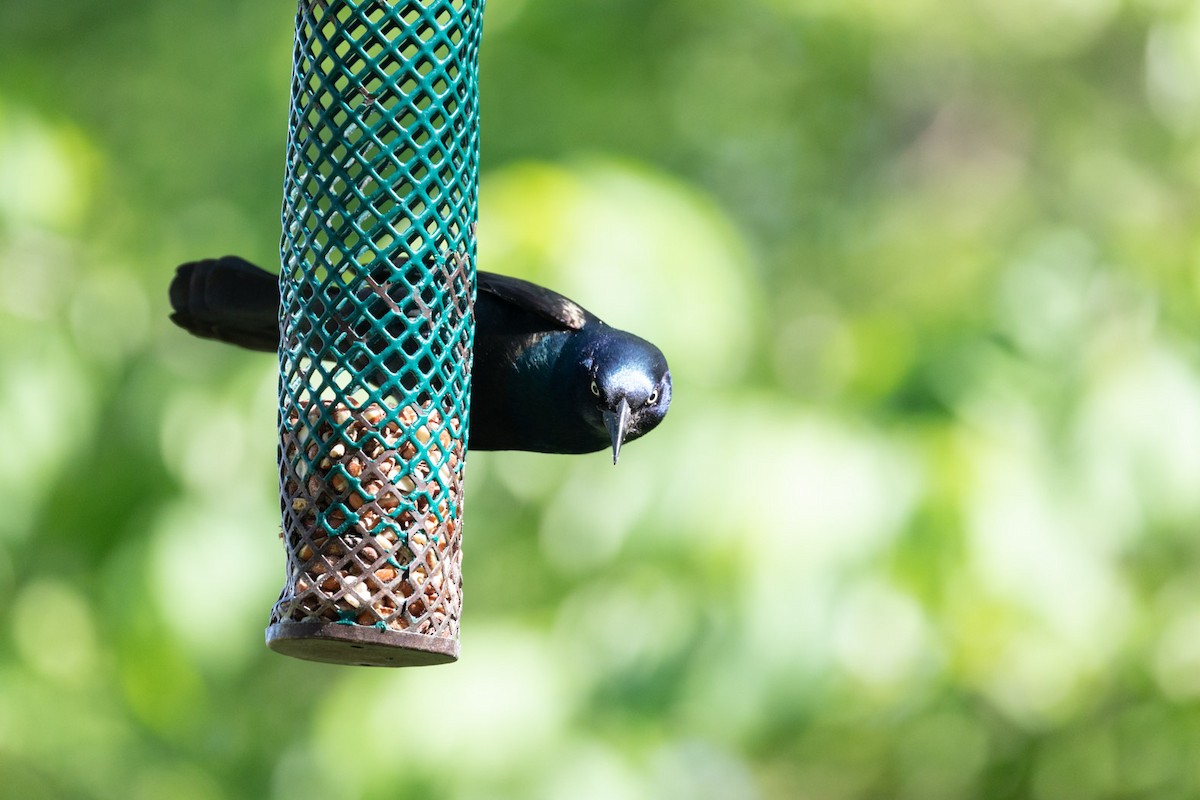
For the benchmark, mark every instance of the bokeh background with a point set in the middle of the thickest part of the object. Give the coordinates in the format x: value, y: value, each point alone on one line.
x: 924, y: 520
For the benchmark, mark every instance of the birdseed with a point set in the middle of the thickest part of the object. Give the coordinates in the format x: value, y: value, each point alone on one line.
x: 372, y: 503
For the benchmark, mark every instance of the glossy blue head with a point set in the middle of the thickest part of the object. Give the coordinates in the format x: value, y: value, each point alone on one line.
x: 628, y: 384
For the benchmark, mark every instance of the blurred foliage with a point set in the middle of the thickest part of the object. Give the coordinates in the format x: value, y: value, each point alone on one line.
x: 923, y: 522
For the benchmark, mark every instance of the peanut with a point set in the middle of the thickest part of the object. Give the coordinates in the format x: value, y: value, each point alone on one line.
x: 391, y: 458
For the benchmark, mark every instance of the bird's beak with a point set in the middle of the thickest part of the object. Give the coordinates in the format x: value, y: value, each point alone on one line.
x: 617, y: 422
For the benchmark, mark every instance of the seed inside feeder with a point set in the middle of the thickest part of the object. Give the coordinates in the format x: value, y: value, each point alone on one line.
x: 371, y: 518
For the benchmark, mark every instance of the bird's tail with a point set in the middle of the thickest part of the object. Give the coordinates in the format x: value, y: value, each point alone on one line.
x: 228, y: 299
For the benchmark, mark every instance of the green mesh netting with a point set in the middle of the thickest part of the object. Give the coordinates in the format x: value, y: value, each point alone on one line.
x: 378, y: 254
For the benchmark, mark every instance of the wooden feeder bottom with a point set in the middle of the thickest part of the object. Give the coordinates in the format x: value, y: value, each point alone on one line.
x: 359, y: 645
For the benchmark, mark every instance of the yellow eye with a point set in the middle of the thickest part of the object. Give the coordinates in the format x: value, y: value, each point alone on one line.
x: 653, y: 398
x: 595, y: 389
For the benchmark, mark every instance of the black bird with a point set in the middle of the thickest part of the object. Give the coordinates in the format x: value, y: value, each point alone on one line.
x: 548, y: 375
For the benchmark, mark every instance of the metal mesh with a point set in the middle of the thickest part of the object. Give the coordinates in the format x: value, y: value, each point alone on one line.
x: 376, y: 319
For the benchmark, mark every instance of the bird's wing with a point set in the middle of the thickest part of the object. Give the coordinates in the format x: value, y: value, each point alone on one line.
x: 560, y: 310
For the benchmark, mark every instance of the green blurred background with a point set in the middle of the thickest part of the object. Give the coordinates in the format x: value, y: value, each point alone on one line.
x: 924, y: 521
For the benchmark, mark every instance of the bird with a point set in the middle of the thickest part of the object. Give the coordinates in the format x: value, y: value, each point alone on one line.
x: 548, y: 375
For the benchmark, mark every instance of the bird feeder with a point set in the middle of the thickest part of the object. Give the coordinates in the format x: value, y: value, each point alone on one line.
x: 376, y: 322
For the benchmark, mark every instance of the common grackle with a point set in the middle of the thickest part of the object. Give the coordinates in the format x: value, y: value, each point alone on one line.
x: 548, y: 375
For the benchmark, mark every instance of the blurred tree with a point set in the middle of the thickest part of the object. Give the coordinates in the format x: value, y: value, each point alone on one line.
x: 922, y: 522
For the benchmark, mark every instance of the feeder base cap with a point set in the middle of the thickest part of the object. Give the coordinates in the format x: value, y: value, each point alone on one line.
x: 359, y: 645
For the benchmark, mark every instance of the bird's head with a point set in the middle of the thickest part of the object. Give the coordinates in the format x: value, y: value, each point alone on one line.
x: 628, y: 386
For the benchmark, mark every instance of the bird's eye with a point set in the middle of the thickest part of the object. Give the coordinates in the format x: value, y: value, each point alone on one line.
x: 595, y: 389
x: 653, y: 398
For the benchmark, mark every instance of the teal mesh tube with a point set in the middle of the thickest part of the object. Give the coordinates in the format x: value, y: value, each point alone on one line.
x: 377, y: 285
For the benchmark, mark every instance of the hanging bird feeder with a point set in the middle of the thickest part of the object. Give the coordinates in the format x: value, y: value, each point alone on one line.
x: 377, y: 285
